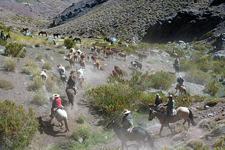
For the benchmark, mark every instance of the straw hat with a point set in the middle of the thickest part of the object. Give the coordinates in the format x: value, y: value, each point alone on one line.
x: 55, y: 95
x: 126, y: 111
x: 170, y: 96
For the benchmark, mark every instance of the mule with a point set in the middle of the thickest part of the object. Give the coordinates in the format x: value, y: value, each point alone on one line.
x: 43, y: 33
x: 138, y: 134
x: 182, y: 90
x: 70, y: 94
x: 181, y: 113
x: 61, y: 115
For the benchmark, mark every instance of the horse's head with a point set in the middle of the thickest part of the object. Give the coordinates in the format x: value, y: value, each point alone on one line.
x: 151, y: 114
x: 110, y: 124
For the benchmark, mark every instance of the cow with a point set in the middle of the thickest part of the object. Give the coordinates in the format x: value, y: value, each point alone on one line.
x: 82, y: 56
x: 97, y: 65
x: 43, y: 75
x: 93, y: 57
x: 142, y: 56
x: 71, y: 61
x: 136, y: 64
x: 80, y: 73
x: 61, y: 69
x: 122, y: 55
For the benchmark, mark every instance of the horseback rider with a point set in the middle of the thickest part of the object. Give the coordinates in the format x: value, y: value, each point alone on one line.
x: 158, y: 100
x: 56, y: 104
x: 71, y: 84
x: 169, y: 111
x: 3, y: 35
x: 180, y: 82
x: 176, y: 62
x: 127, y: 121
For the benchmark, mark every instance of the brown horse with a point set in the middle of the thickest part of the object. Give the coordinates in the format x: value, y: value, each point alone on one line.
x: 181, y: 112
x: 71, y: 61
x: 42, y: 32
x: 182, y: 90
x: 70, y: 94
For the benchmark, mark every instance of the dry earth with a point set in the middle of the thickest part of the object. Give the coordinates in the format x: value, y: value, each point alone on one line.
x: 94, y: 78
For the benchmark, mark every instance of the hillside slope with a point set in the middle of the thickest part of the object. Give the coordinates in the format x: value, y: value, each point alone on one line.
x: 130, y: 18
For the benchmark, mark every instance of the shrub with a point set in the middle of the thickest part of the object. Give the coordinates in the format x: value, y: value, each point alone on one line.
x: 40, y: 98
x: 37, y: 84
x: 196, y: 76
x: 14, y: 50
x: 17, y: 127
x: 47, y: 65
x: 212, y: 87
x: 62, y: 51
x: 6, y: 84
x: 2, y: 42
x: 69, y: 43
x: 49, y: 85
x: 10, y: 64
x: 82, y: 131
x: 31, y: 67
x: 162, y: 80
x: 81, y: 118
x: 39, y: 57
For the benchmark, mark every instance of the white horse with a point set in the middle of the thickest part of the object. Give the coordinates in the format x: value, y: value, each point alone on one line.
x: 61, y: 116
x: 80, y: 73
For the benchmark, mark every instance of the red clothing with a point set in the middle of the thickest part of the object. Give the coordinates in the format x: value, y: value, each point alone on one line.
x: 58, y: 102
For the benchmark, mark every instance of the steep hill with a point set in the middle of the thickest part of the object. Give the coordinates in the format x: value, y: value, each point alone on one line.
x: 132, y: 18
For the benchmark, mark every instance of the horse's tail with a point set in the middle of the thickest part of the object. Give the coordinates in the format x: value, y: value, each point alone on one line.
x: 150, y: 140
x: 66, y: 124
x: 190, y: 116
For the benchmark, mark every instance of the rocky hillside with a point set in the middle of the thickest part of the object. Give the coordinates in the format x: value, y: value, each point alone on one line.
x: 142, y: 19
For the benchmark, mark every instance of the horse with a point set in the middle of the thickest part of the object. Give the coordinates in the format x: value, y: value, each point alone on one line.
x: 138, y: 134
x: 71, y: 61
x: 182, y: 90
x: 77, y: 39
x: 25, y: 30
x: 176, y: 67
x: 56, y: 35
x: 61, y: 116
x: 136, y: 64
x: 70, y: 94
x: 80, y: 73
x: 6, y: 37
x: 181, y: 112
x: 42, y: 32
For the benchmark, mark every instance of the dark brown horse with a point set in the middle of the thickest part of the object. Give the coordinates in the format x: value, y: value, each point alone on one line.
x: 77, y: 39
x: 138, y: 134
x: 43, y: 32
x: 56, y: 35
x: 70, y: 94
x: 181, y: 113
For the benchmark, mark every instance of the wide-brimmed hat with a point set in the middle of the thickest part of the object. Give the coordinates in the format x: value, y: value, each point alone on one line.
x: 55, y: 95
x: 126, y: 111
x: 170, y: 96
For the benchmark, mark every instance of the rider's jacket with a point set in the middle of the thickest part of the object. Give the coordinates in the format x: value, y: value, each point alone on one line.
x: 127, y: 121
x: 57, y: 102
x: 170, y: 104
x: 71, y: 82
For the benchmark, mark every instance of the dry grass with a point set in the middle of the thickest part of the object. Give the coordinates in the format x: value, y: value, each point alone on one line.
x: 6, y: 84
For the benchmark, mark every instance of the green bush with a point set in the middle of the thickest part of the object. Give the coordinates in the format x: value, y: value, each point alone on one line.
x: 31, y: 67
x: 212, y: 87
x: 82, y: 131
x: 161, y: 80
x: 69, y: 43
x: 47, y: 65
x: 6, y: 84
x: 37, y: 84
x: 17, y: 127
x: 196, y: 76
x: 81, y: 118
x: 14, y: 50
x: 10, y: 64
x: 40, y: 98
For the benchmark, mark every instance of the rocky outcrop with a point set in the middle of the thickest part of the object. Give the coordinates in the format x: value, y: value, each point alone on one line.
x: 75, y: 10
x: 186, y: 25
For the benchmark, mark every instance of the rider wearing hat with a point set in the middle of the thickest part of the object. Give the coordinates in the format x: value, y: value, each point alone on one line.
x: 71, y: 84
x: 56, y: 104
x: 169, y: 110
x: 127, y: 121
x: 180, y: 81
x: 3, y: 34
